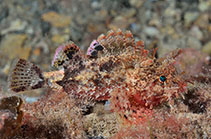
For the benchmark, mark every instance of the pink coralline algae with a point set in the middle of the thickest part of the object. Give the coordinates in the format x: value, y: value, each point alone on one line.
x: 115, y: 68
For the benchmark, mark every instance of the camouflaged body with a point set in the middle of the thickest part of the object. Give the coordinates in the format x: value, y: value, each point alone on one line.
x: 94, y: 78
x: 116, y: 68
x: 123, y: 67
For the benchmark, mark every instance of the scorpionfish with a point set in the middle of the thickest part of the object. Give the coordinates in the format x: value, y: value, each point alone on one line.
x: 115, y: 67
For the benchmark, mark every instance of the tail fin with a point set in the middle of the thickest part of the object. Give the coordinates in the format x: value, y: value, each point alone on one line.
x: 25, y: 76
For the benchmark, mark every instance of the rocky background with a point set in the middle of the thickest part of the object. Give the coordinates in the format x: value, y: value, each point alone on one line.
x: 33, y: 29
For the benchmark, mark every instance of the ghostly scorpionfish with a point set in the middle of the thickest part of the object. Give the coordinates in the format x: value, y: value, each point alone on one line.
x: 115, y: 67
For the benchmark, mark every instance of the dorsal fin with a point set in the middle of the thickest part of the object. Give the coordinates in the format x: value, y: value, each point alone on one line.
x: 94, y: 48
x: 116, y: 42
x: 69, y: 58
x: 66, y: 55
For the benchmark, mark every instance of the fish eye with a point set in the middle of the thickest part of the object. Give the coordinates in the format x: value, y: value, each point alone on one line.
x: 163, y: 78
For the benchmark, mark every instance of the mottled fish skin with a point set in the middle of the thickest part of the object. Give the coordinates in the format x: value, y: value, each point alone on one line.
x: 93, y: 79
x: 120, y: 64
x: 124, y: 63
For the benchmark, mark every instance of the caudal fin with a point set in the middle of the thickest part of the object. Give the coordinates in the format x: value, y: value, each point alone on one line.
x: 25, y: 76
